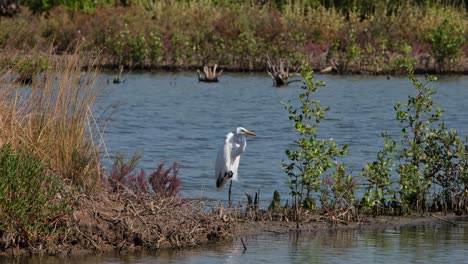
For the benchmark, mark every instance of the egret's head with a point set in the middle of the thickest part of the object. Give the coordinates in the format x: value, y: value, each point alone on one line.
x: 241, y: 130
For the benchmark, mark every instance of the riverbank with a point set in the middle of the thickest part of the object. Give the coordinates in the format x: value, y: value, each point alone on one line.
x: 126, y: 223
x: 243, y: 37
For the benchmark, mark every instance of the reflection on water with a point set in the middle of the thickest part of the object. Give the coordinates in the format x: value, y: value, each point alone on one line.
x: 431, y: 243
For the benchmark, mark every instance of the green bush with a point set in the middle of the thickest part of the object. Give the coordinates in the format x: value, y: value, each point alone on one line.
x: 314, y: 157
x: 380, y: 188
x: 417, y: 116
x: 447, y: 40
x: 32, y: 198
x: 430, y: 161
x: 28, y: 67
x: 138, y: 49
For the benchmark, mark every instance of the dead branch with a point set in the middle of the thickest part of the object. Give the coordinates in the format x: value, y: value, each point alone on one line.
x: 280, y: 74
x: 209, y: 75
x: 444, y: 220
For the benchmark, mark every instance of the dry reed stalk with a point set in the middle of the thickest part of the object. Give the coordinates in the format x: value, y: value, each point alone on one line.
x: 51, y: 118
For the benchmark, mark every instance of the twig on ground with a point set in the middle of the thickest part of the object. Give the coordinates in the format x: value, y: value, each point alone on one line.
x: 445, y: 220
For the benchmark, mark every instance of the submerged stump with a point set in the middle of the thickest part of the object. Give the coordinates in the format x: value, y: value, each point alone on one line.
x: 118, y: 79
x: 208, y: 74
x: 280, y: 74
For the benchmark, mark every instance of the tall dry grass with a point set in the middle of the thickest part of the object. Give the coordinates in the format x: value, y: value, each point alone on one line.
x: 52, y: 117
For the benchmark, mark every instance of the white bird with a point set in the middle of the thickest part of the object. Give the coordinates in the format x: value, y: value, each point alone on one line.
x: 227, y: 161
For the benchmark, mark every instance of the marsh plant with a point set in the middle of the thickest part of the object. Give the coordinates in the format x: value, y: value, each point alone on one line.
x: 33, y: 200
x: 27, y: 68
x: 53, y: 119
x: 162, y: 182
x: 380, y: 188
x: 417, y: 117
x: 309, y: 163
x: 430, y: 160
x: 447, y: 40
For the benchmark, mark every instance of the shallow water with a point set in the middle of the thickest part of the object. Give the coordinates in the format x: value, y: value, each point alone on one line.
x: 171, y: 117
x: 430, y: 243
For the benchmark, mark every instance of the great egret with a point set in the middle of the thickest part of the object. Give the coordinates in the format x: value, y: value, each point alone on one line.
x: 227, y: 161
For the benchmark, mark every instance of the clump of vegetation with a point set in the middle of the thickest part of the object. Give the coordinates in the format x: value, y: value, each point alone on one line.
x: 423, y: 171
x: 430, y: 161
x: 28, y: 67
x: 309, y: 164
x: 447, y: 40
x: 380, y: 190
x: 348, y: 35
x: 33, y: 200
x: 162, y: 183
x: 52, y: 118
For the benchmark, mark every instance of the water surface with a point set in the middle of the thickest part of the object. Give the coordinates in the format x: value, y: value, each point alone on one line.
x: 430, y: 243
x: 173, y: 117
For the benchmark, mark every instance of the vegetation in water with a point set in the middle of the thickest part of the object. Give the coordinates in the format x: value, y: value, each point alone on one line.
x: 309, y: 164
x: 423, y: 171
x: 426, y: 169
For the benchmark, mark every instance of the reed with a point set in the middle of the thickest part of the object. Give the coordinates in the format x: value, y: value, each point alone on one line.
x: 52, y: 118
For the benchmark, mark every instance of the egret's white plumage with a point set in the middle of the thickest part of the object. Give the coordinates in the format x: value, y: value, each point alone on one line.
x: 227, y: 161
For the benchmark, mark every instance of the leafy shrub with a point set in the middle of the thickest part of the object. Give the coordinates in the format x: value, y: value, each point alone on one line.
x: 32, y: 198
x: 138, y: 49
x: 314, y: 156
x: 155, y: 47
x: 380, y: 189
x: 431, y: 161
x: 447, y: 40
x: 28, y: 67
x: 416, y: 115
x: 337, y: 194
x: 403, y: 60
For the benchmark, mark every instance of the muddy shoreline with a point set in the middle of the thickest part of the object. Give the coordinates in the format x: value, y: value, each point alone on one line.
x: 124, y: 224
x: 425, y: 65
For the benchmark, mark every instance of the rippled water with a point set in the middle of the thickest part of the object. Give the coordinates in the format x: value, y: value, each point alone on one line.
x: 171, y: 117
x: 431, y: 243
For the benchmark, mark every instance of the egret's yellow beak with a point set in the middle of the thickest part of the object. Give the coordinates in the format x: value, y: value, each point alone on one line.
x: 250, y: 133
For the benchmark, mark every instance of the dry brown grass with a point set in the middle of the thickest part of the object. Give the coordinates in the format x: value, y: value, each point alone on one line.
x: 124, y: 221
x: 52, y: 117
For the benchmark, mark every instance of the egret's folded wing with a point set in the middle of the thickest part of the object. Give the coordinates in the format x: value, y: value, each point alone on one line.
x: 234, y: 167
x: 223, y: 161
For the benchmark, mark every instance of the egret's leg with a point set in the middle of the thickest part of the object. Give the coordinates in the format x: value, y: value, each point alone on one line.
x: 229, y: 174
x: 229, y: 197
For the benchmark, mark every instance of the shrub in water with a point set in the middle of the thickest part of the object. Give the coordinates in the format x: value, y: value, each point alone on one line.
x: 28, y: 67
x: 431, y: 160
x: 314, y: 156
